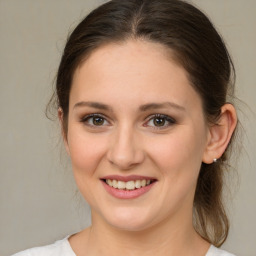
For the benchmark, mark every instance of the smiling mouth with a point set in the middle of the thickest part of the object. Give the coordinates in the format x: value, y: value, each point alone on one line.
x: 129, y: 185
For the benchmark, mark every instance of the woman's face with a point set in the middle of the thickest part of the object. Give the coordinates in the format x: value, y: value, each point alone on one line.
x: 135, y: 123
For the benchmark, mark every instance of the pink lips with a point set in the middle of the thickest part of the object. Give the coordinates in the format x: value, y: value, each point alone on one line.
x: 127, y: 194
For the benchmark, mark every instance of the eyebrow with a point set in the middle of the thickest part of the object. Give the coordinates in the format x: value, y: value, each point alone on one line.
x: 151, y: 106
x: 93, y: 105
x: 145, y: 107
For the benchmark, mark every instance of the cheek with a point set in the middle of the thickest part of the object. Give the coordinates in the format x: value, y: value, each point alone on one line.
x: 86, y: 151
x: 179, y: 154
x: 178, y: 159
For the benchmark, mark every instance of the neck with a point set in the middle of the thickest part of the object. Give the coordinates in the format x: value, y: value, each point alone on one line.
x: 166, y: 238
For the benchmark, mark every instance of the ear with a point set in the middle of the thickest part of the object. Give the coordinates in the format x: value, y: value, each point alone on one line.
x: 64, y: 134
x: 220, y: 134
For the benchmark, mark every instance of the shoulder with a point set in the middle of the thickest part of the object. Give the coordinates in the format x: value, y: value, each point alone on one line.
x: 214, y: 251
x: 59, y: 248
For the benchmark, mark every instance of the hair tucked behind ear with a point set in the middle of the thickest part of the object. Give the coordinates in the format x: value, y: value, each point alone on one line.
x: 196, y: 45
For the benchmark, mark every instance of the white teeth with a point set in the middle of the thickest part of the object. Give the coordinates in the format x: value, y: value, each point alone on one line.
x: 129, y: 185
x: 110, y: 183
x: 121, y: 184
x: 137, y: 184
x: 114, y: 184
x: 143, y: 183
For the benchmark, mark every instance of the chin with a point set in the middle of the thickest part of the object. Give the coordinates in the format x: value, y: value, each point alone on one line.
x: 129, y: 219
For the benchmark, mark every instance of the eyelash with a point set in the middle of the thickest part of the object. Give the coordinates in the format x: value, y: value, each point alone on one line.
x: 166, y: 118
x: 86, y: 119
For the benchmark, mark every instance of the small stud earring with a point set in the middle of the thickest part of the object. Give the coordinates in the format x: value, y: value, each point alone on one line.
x: 215, y: 160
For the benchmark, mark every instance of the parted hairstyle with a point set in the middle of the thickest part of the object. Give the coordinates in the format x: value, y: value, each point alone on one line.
x: 196, y: 46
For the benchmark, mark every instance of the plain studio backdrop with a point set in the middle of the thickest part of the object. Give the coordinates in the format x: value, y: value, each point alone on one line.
x: 38, y: 201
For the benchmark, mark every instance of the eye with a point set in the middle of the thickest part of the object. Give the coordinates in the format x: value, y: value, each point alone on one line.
x: 95, y: 120
x: 160, y: 121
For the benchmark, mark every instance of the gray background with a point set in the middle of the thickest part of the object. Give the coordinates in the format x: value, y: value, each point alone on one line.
x: 38, y: 199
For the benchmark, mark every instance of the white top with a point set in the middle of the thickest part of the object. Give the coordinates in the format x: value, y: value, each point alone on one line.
x: 63, y: 248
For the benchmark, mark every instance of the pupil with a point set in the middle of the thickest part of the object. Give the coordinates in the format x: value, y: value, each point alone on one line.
x: 98, y: 121
x: 159, y: 121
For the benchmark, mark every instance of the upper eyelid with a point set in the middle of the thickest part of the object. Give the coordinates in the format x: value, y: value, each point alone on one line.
x: 161, y: 116
x: 86, y: 117
x: 93, y: 115
x: 147, y: 119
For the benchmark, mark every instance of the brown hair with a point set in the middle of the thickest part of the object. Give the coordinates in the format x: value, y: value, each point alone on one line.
x: 197, y: 46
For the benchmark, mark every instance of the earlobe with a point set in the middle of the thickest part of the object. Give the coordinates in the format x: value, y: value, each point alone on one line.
x: 220, y: 134
x: 64, y: 135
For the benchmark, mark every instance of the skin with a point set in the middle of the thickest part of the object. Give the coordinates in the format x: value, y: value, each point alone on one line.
x: 124, y: 77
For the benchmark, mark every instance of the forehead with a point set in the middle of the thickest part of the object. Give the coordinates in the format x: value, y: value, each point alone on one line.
x: 132, y: 70
x: 132, y: 56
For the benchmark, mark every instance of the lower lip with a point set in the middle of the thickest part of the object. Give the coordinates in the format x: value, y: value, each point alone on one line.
x: 127, y: 194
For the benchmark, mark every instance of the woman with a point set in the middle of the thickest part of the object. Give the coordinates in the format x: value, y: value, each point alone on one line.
x: 142, y: 93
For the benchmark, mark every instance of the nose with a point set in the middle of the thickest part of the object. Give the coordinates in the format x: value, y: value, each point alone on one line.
x: 125, y: 150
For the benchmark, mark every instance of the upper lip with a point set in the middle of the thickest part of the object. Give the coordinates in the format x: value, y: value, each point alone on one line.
x: 127, y: 178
